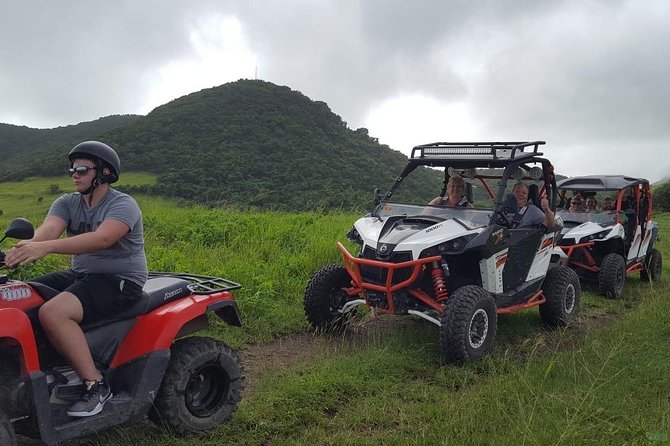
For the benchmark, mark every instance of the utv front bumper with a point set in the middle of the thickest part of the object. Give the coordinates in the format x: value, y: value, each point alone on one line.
x: 409, y: 270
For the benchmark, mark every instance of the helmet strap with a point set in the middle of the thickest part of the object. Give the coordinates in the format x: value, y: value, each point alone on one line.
x: 94, y: 184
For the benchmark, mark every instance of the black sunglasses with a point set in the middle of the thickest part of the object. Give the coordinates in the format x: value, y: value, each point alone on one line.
x: 81, y: 170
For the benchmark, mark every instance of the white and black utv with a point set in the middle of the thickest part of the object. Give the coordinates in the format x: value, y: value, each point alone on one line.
x: 604, y: 245
x: 457, y: 267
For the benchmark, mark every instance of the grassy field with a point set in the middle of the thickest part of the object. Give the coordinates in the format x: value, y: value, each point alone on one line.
x: 602, y: 381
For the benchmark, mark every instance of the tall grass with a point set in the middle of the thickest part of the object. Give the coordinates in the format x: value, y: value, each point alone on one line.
x: 602, y: 381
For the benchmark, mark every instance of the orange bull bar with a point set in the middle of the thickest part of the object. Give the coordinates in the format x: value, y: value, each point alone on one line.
x: 352, y: 264
x: 584, y: 247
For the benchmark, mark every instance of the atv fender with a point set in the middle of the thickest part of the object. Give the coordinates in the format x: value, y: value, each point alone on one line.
x: 157, y: 329
x: 14, y: 324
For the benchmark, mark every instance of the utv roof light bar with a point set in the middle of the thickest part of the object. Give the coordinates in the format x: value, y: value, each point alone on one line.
x: 477, y: 150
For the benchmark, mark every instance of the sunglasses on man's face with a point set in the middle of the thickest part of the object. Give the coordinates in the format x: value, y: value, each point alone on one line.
x: 81, y: 170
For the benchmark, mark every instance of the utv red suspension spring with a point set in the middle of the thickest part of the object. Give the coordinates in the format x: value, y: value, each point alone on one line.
x: 439, y: 282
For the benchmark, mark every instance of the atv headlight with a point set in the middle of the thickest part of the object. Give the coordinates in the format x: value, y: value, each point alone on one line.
x: 354, y: 236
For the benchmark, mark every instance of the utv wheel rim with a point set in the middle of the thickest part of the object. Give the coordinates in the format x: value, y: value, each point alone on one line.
x: 479, y: 328
x: 206, y: 390
x: 570, y: 299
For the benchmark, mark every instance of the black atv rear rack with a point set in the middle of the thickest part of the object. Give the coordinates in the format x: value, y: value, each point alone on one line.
x: 200, y: 284
x: 477, y: 150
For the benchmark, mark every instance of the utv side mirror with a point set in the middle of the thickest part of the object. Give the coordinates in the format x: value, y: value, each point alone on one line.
x: 377, y: 196
x: 20, y: 228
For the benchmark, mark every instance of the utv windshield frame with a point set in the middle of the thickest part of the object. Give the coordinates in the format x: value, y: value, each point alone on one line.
x: 459, y: 156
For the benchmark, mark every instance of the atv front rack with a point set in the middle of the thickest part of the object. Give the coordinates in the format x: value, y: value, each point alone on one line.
x: 200, y: 284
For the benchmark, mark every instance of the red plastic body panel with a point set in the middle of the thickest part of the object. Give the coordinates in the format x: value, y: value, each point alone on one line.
x: 19, y: 295
x: 158, y: 329
x: 14, y: 324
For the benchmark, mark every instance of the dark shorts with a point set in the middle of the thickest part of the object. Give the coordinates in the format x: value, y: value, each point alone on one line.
x: 101, y: 295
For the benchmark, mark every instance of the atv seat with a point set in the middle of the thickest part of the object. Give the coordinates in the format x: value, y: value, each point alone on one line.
x: 156, y: 292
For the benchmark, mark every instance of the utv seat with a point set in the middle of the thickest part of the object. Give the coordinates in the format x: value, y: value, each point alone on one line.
x: 534, y: 194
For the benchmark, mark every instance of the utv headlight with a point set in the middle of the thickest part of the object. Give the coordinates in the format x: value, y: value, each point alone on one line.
x: 597, y: 236
x: 456, y: 245
x: 354, y: 236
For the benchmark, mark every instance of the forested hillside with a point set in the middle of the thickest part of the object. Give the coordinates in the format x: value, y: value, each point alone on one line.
x: 21, y: 142
x: 252, y: 143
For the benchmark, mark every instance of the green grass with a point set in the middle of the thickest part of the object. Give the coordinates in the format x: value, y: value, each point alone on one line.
x: 602, y: 381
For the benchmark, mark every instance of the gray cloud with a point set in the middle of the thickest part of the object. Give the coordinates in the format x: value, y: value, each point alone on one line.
x: 588, y: 76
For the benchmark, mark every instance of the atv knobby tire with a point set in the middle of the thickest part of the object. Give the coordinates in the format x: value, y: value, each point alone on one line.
x: 562, y: 292
x: 325, y: 298
x: 653, y: 266
x: 7, y: 435
x: 468, y: 325
x: 612, y: 276
x: 201, y: 388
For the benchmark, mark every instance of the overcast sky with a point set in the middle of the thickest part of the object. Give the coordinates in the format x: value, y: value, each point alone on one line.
x: 592, y: 78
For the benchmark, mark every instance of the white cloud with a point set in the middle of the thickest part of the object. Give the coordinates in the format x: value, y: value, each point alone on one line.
x: 406, y: 121
x: 220, y: 54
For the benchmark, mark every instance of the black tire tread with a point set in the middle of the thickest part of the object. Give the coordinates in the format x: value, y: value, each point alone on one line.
x: 7, y: 435
x: 607, y: 277
x: 556, y: 283
x: 653, y: 266
x: 186, y: 354
x: 317, y: 303
x: 455, y: 323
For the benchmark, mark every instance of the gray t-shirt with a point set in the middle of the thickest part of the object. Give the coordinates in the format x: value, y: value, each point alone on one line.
x: 126, y: 257
x: 532, y: 217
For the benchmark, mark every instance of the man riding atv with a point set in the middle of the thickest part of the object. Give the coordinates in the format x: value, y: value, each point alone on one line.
x: 109, y: 268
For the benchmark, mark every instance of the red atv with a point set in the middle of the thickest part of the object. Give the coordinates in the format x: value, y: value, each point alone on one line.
x: 187, y: 384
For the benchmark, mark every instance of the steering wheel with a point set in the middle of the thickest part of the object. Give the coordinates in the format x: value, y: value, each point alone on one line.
x: 502, y: 219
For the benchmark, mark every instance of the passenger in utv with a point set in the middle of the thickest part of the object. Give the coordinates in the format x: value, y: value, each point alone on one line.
x: 528, y: 215
x: 608, y: 205
x: 576, y: 204
x: 109, y: 267
x: 591, y: 204
x: 455, y: 195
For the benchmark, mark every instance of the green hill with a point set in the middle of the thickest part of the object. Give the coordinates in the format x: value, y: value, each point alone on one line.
x: 17, y: 141
x: 251, y: 143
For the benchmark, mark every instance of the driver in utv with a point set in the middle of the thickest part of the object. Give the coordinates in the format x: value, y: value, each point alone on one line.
x: 109, y: 268
x: 528, y: 215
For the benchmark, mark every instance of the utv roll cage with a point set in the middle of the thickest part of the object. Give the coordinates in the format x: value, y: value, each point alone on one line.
x: 638, y: 188
x: 509, y: 156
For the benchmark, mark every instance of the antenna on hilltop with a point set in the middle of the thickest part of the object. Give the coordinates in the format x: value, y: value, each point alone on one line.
x: 256, y: 73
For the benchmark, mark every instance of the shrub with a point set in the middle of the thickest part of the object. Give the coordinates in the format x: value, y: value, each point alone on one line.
x: 662, y: 197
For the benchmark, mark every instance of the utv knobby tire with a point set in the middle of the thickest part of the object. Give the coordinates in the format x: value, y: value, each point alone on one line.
x: 325, y: 297
x: 201, y: 388
x: 612, y: 276
x: 653, y: 266
x: 7, y: 435
x: 562, y: 292
x: 468, y: 325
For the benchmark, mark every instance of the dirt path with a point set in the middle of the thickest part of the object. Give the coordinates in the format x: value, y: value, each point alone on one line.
x: 295, y: 349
